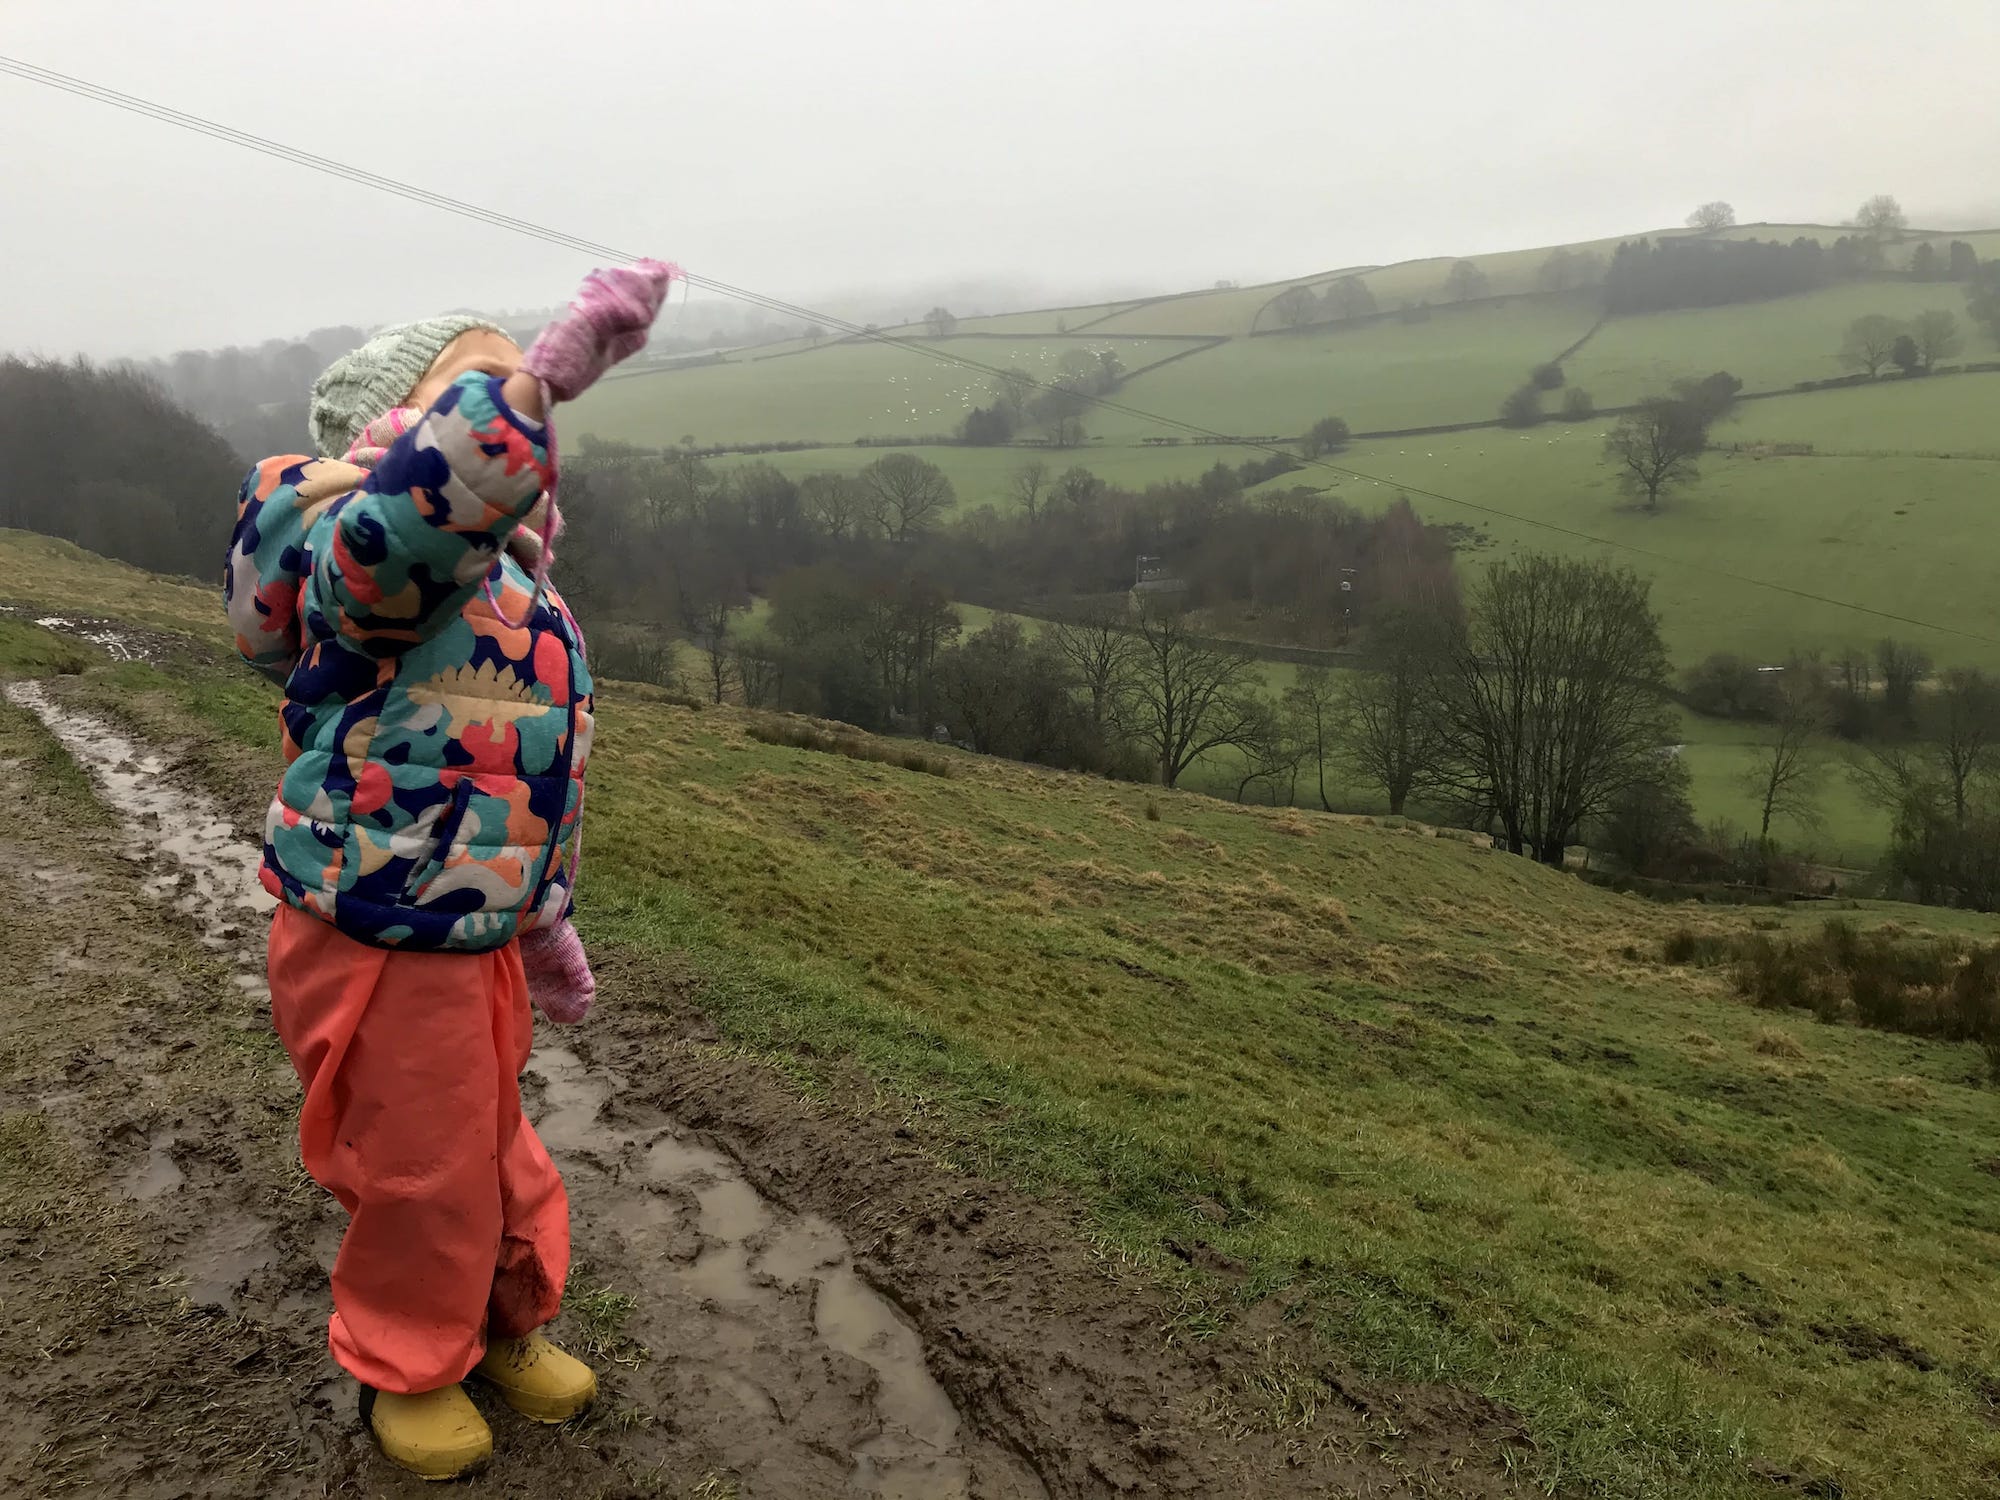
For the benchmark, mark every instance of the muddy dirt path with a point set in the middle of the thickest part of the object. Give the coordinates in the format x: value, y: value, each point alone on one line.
x: 750, y: 1325
x: 785, y: 1301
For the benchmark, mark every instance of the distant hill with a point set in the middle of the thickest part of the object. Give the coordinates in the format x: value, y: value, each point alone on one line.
x: 1843, y: 492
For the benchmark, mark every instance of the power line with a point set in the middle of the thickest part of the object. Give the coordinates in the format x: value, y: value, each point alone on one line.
x: 200, y: 125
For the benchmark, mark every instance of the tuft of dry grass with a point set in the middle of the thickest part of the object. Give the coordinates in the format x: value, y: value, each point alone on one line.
x: 1771, y: 1042
x: 837, y: 739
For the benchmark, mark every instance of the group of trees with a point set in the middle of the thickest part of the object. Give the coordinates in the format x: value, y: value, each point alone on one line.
x: 1349, y: 297
x: 1340, y: 300
x: 1523, y: 406
x: 1922, y: 746
x: 1532, y: 711
x: 1957, y: 262
x: 665, y: 541
x: 104, y: 459
x: 1139, y: 693
x: 1566, y: 270
x: 256, y: 397
x: 1055, y: 407
x: 1875, y: 341
x: 1658, y: 275
x: 1940, y: 784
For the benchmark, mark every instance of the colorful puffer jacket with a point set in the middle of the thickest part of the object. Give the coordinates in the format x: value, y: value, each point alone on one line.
x: 435, y: 752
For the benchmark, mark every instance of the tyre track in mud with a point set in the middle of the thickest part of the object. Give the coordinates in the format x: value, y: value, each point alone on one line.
x: 816, y: 1307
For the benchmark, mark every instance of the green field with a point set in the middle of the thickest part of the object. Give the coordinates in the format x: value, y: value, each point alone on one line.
x: 1723, y: 758
x: 832, y: 394
x: 1947, y: 415
x: 1454, y: 367
x: 1767, y: 345
x: 1445, y: 1108
x: 1882, y: 532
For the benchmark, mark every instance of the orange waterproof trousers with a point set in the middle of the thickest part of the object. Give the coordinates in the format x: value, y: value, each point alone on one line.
x: 458, y: 1222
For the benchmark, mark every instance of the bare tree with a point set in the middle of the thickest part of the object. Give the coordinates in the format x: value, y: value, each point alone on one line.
x: 1270, y: 752
x: 1965, y: 731
x: 1903, y: 668
x: 1523, y: 406
x: 1955, y: 754
x: 940, y: 322
x: 1059, y: 411
x: 1076, y: 487
x: 1327, y: 435
x: 1870, y: 343
x: 1295, y: 306
x: 1557, y: 273
x: 1104, y: 653
x: 1712, y: 216
x: 1393, y: 735
x: 1882, y: 217
x: 1348, y: 297
x: 760, y: 673
x: 1656, y: 448
x: 903, y: 625
x: 705, y: 615
x: 1014, y: 389
x: 1790, y: 767
x: 1565, y: 269
x: 1851, y: 694
x: 905, y: 494
x: 837, y: 503
x: 1187, y: 696
x: 1312, y: 710
x: 1027, y: 484
x: 1935, y: 333
x: 1465, y: 281
x: 1556, y: 697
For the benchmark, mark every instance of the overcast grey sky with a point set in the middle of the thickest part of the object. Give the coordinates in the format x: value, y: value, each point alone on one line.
x: 811, y: 149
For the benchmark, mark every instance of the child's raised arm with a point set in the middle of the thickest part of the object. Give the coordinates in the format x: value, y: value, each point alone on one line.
x: 411, y: 547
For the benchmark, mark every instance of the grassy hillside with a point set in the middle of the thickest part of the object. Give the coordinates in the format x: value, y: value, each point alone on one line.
x: 1887, y: 532
x: 832, y: 394
x: 1445, y: 1108
x: 1454, y: 367
x: 1768, y: 345
x: 1951, y: 418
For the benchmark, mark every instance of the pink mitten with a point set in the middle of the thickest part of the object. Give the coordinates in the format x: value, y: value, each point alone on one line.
x: 559, y: 978
x: 606, y: 322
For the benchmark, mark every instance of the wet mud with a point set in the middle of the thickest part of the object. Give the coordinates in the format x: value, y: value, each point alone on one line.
x: 785, y: 1300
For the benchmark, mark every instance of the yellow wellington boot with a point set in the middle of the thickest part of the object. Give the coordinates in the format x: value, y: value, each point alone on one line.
x: 537, y: 1379
x: 434, y: 1434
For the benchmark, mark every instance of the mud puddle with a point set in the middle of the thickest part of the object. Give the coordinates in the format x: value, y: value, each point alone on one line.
x: 116, y: 641
x: 759, y: 1311
x: 208, y: 873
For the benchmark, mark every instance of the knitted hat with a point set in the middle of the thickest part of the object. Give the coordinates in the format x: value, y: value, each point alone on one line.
x: 358, y: 387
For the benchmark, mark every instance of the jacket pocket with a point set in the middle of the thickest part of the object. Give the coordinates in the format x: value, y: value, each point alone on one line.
x: 450, y: 823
